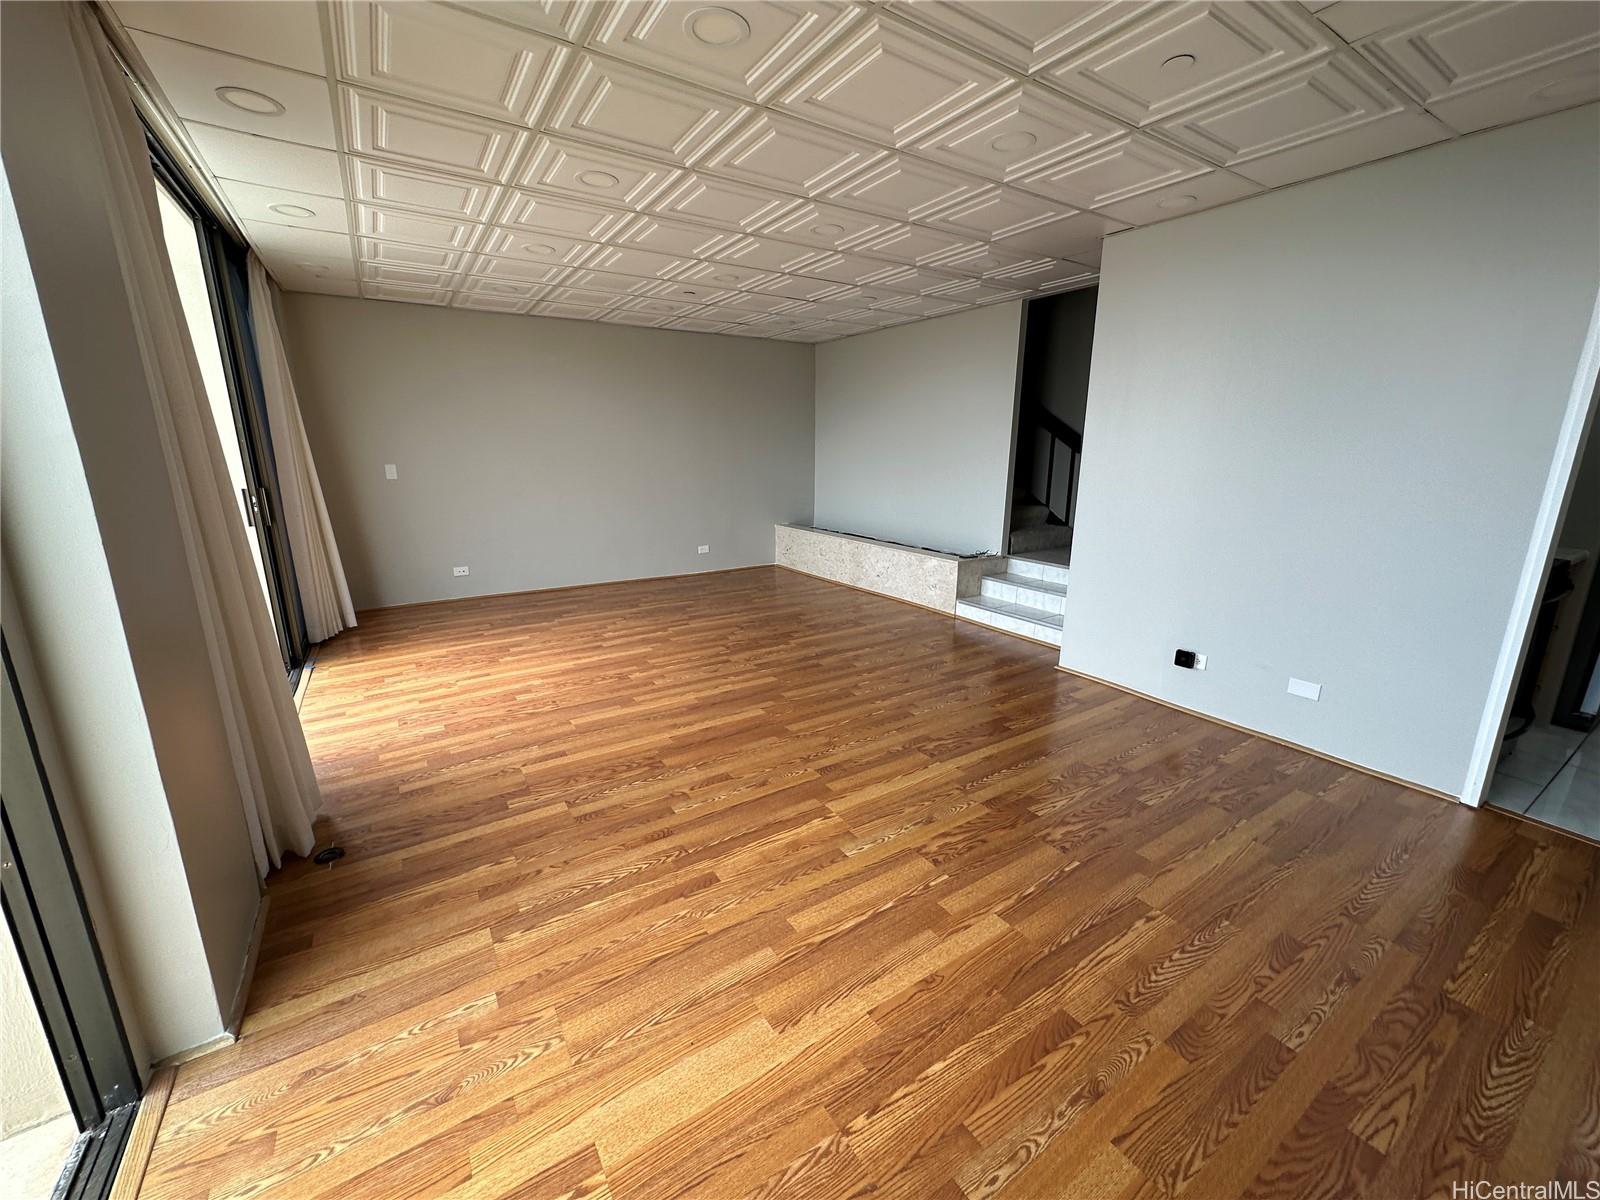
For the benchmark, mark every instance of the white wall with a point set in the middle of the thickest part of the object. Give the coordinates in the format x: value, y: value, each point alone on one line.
x: 30, y: 1089
x: 914, y: 430
x: 541, y: 453
x: 1321, y: 421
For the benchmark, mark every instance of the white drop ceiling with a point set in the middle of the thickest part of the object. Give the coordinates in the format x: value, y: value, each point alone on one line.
x: 804, y: 171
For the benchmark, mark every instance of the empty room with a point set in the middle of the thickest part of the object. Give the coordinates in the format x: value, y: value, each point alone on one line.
x: 745, y: 599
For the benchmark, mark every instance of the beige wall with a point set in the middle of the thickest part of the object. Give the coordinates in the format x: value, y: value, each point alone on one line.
x: 542, y: 453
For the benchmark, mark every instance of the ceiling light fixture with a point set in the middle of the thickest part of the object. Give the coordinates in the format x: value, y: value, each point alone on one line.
x: 827, y: 229
x: 1178, y: 62
x: 1008, y: 143
x: 1177, y: 202
x: 720, y: 27
x: 248, y: 100
x: 724, y: 279
x: 292, y: 210
x: 598, y: 179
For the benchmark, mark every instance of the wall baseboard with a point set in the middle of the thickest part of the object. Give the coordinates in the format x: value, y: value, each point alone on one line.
x: 1285, y: 742
x: 565, y: 587
x: 247, y: 976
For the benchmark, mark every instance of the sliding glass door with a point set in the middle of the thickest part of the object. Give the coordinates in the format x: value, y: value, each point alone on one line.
x: 210, y: 276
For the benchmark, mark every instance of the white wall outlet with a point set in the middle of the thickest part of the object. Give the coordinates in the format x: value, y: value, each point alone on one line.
x: 1304, y: 689
x: 703, y: 550
x: 389, y: 471
x: 459, y: 571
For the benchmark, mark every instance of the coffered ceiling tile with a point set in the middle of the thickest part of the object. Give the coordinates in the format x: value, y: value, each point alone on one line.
x: 824, y: 331
x: 743, y: 305
x: 890, y: 83
x: 405, y: 295
x: 697, y: 323
x: 985, y: 259
x: 627, y: 260
x: 566, y: 19
x: 430, y: 138
x: 1354, y: 20
x: 529, y: 212
x: 726, y: 275
x: 1333, y: 114
x: 260, y: 29
x: 570, y: 312
x: 766, y: 255
x: 544, y: 248
x: 503, y: 289
x: 789, y: 156
x: 1176, y: 57
x: 1529, y: 58
x: 916, y: 244
x: 975, y: 292
x: 1115, y: 172
x: 1089, y: 255
x: 1024, y: 34
x: 1051, y: 275
x: 1174, y: 200
x: 406, y: 276
x: 426, y: 191
x: 567, y: 294
x: 825, y: 225
x: 285, y: 241
x: 444, y: 56
x: 278, y: 206
x: 719, y: 202
x: 304, y: 281
x: 658, y: 307
x: 395, y: 225
x: 743, y: 47
x: 1067, y: 238
x: 625, y: 316
x: 844, y: 268
x: 649, y: 232
x: 341, y: 266
x: 609, y: 281
x: 251, y: 158
x: 873, y: 299
x: 691, y: 292
x: 236, y: 93
x: 912, y: 280
x: 574, y: 169
x: 924, y: 306
x: 1000, y: 212
x: 482, y: 302
x: 641, y: 113
x: 797, y: 287
x: 402, y: 254
x: 905, y: 188
x: 1018, y: 132
x: 488, y: 266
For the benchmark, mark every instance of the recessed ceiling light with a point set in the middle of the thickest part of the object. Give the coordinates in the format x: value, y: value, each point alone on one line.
x: 292, y: 210
x: 1178, y: 202
x: 1572, y: 87
x: 250, y: 101
x: 1178, y: 62
x: 716, y: 26
x: 827, y: 229
x: 598, y: 179
x: 724, y: 279
x: 540, y: 248
x: 1007, y: 143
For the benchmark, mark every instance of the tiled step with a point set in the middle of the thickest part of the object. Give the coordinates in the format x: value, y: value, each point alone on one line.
x: 1040, y: 537
x: 1032, y: 623
x: 1027, y: 590
x: 1054, y: 573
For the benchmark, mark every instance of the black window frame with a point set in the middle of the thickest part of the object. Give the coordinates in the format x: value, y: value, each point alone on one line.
x: 224, y: 259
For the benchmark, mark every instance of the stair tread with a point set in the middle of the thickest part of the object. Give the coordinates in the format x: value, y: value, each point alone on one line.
x: 1006, y: 609
x: 1030, y: 581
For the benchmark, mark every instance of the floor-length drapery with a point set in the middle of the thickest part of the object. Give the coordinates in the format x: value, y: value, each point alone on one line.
x: 276, y: 783
x: 324, y: 594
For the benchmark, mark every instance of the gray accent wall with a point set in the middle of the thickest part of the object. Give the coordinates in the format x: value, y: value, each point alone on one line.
x: 914, y: 430
x: 1320, y: 423
x: 543, y: 453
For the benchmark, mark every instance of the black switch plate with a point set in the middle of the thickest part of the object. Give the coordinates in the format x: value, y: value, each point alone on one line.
x: 1184, y: 658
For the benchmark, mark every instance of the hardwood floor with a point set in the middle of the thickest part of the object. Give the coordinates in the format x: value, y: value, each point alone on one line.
x: 749, y: 885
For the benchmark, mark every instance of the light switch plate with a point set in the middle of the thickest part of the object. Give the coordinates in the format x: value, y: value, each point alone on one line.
x: 389, y: 471
x: 704, y: 550
x: 1304, y: 689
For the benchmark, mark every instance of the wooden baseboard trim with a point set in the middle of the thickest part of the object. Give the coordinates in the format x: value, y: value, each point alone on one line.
x: 142, y: 1137
x: 247, y: 976
x: 1285, y: 742
x: 565, y: 587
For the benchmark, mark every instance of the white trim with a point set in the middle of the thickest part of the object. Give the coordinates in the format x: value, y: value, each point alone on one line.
x: 1536, y: 565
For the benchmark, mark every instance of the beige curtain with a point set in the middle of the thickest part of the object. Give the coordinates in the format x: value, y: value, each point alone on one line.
x: 276, y: 784
x: 324, y: 594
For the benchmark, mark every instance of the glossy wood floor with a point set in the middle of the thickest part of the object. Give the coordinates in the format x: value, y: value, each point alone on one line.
x: 752, y: 885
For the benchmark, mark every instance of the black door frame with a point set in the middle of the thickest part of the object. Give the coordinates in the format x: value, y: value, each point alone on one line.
x: 55, y: 940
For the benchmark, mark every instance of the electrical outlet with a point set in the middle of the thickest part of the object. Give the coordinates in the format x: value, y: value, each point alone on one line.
x: 1199, y: 662
x: 459, y: 571
x: 1304, y: 689
x: 390, y: 471
x: 704, y: 550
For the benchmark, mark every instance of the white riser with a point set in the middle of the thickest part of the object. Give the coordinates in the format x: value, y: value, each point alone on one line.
x: 1012, y: 618
x: 1023, y: 589
x: 1049, y: 572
